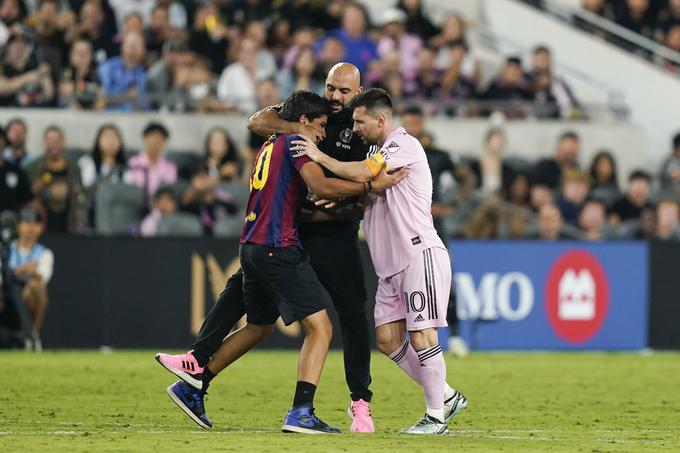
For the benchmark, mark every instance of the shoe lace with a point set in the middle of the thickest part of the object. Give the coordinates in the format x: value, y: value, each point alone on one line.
x: 361, y: 408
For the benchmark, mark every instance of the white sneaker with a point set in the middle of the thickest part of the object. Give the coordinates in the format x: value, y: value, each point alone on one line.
x: 454, y: 405
x: 457, y: 347
x: 427, y: 425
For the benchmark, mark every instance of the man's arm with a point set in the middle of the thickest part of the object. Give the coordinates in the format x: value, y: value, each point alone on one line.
x: 354, y: 171
x: 324, y: 187
x: 267, y: 122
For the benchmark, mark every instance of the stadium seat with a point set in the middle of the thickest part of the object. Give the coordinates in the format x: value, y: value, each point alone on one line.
x: 238, y: 191
x: 187, y: 162
x: 76, y: 153
x: 118, y: 208
x: 180, y: 224
x: 229, y: 227
x: 627, y: 229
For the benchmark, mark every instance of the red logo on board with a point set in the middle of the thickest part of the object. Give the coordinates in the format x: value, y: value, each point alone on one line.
x: 576, y: 296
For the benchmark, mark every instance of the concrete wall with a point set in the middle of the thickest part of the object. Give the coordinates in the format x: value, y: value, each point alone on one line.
x: 531, y: 139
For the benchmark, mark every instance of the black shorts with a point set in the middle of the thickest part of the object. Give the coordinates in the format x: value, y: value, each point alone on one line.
x: 279, y: 281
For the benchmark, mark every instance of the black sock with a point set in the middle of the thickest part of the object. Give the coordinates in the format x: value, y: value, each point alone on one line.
x: 207, y: 377
x: 304, y: 393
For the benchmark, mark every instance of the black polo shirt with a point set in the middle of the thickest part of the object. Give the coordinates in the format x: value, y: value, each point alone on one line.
x: 15, y: 189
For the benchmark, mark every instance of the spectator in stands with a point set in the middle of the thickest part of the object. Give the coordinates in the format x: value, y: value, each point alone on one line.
x: 158, y: 31
x: 209, y: 37
x: 540, y: 196
x: 32, y: 265
x: 446, y: 176
x: 604, y: 178
x: 202, y: 88
x: 279, y: 39
x: 592, y: 219
x: 510, y: 87
x: 162, y: 85
x: 50, y: 25
x: 123, y: 8
x: 637, y: 16
x: 221, y: 158
x: 124, y: 78
x: 236, y: 86
x: 428, y: 79
x: 670, y: 169
x: 106, y: 163
x: 92, y: 26
x: 79, y: 87
x: 25, y: 81
x: 417, y: 21
x: 16, y: 152
x: 164, y: 205
x: 360, y: 50
x: 395, y: 38
x: 503, y: 214
x: 304, y: 75
x: 150, y: 169
x: 673, y: 42
x: 15, y: 188
x: 630, y: 205
x: 56, y: 184
x: 303, y: 38
x: 267, y: 96
x: 11, y: 12
x: 549, y: 171
x: 206, y: 199
x: 552, y: 95
x: 264, y: 60
x: 332, y: 52
x: 667, y: 19
x: 457, y: 84
x: 667, y: 220
x: 490, y: 170
x: 549, y: 224
x: 575, y: 189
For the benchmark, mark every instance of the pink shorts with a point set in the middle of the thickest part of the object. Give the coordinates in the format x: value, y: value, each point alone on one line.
x: 419, y: 294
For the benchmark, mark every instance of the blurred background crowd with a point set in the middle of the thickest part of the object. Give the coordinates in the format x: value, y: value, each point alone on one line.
x: 242, y: 55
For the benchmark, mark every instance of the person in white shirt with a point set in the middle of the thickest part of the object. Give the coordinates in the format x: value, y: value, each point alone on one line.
x: 31, y: 264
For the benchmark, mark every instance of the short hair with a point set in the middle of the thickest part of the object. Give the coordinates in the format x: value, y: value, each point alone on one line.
x: 676, y: 141
x: 640, y: 174
x: 53, y: 128
x: 305, y: 103
x: 155, y: 126
x: 569, y: 135
x: 13, y: 121
x: 541, y: 48
x: 415, y: 110
x: 575, y: 175
x: 372, y: 99
x: 165, y: 190
x: 493, y: 131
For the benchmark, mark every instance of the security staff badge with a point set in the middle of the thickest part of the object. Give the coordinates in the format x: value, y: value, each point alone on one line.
x: 12, y: 179
x: 345, y: 138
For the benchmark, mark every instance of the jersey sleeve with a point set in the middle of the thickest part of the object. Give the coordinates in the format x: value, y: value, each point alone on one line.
x: 298, y: 162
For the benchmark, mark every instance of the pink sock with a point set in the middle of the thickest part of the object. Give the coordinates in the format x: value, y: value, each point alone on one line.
x: 433, y: 375
x: 407, y: 359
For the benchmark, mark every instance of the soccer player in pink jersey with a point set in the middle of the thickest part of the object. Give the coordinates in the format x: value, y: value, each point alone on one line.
x: 412, y: 263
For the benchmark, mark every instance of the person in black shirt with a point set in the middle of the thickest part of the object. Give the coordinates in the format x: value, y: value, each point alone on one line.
x: 15, y: 188
x: 549, y: 171
x: 636, y: 199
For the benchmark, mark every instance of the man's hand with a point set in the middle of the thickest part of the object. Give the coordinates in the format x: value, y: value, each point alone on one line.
x: 386, y: 180
x: 307, y: 147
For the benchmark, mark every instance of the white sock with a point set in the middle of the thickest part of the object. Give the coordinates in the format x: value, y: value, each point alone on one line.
x: 448, y: 391
x: 436, y: 413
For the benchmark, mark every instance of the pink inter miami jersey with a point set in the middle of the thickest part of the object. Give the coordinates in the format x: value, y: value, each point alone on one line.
x: 398, y: 222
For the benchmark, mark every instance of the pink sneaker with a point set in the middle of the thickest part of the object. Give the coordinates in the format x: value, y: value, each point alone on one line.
x: 360, y: 413
x: 184, y: 366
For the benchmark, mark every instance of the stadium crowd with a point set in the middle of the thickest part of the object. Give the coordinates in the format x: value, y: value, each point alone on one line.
x: 240, y: 56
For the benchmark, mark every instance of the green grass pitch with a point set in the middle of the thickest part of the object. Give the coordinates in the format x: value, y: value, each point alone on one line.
x: 595, y: 402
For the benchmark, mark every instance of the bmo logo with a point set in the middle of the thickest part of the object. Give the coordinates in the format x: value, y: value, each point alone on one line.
x: 499, y: 296
x: 576, y: 296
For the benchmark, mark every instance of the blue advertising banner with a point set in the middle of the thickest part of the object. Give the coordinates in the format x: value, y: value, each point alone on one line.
x: 566, y: 295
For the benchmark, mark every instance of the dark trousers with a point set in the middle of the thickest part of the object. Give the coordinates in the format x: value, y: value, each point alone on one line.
x: 336, y: 260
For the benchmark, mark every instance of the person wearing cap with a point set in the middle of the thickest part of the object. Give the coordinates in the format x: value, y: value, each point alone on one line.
x: 150, y: 169
x: 31, y: 264
x: 395, y: 39
x: 24, y: 81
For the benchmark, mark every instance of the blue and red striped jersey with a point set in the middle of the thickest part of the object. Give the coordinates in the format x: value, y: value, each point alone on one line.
x: 276, y: 194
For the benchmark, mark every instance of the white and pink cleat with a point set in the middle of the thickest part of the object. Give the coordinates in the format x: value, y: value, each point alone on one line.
x: 360, y: 413
x: 184, y: 366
